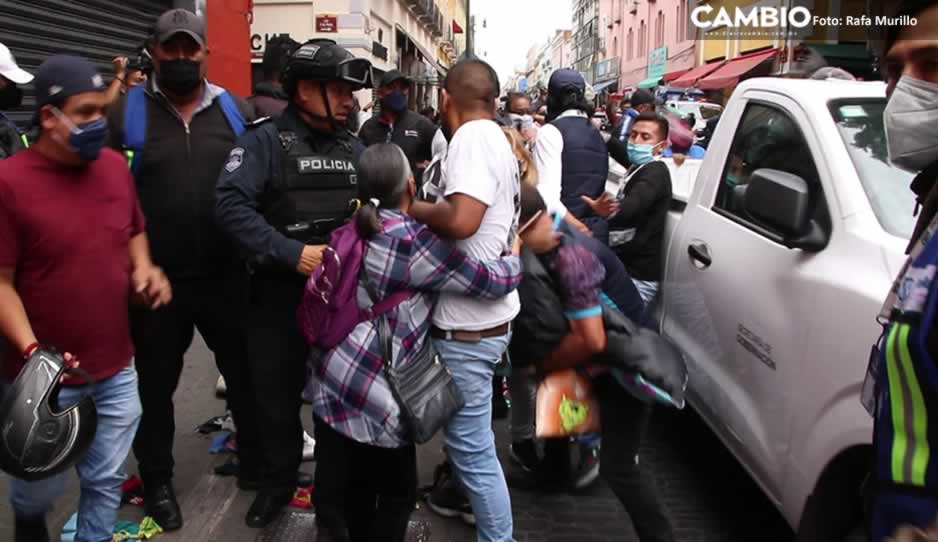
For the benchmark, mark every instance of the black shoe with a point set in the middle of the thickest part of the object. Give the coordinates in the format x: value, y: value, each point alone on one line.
x: 252, y: 483
x: 160, y: 504
x: 524, y: 454
x: 447, y: 498
x: 266, y: 507
x: 587, y: 470
x: 31, y: 530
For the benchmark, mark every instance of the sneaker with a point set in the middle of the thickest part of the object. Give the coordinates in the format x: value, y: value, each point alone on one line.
x: 447, y: 498
x: 524, y: 454
x: 220, y: 388
x: 309, y: 447
x: 587, y: 471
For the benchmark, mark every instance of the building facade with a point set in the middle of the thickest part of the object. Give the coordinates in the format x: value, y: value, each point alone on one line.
x: 585, y: 36
x: 561, y: 49
x: 422, y: 38
x: 654, y: 40
x: 100, y: 30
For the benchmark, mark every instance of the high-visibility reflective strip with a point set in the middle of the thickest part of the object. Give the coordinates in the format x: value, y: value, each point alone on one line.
x: 130, y: 158
x: 25, y: 140
x: 910, y: 447
x: 919, y: 443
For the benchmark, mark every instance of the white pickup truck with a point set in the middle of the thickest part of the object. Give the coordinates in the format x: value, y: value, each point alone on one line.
x: 779, y: 253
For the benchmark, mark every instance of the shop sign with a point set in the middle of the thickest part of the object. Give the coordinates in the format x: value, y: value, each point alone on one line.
x: 657, y: 63
x: 327, y: 23
x: 259, y: 43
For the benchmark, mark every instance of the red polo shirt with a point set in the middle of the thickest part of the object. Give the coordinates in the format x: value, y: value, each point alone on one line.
x: 65, y: 232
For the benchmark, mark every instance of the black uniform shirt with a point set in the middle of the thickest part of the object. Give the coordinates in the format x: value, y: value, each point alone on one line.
x: 248, y: 177
x: 413, y: 133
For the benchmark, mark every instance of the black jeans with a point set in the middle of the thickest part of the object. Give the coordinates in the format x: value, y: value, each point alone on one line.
x: 624, y: 420
x: 365, y: 491
x: 277, y: 355
x: 216, y: 307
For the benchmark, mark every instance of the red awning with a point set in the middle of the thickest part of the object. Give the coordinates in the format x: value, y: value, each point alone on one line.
x: 729, y: 74
x: 671, y: 76
x: 690, y: 78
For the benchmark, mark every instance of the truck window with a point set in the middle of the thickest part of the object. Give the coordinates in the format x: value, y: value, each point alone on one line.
x: 861, y: 125
x: 766, y: 138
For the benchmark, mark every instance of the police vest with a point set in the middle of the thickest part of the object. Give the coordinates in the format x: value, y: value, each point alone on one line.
x: 906, y: 408
x: 317, y: 189
x: 585, y: 165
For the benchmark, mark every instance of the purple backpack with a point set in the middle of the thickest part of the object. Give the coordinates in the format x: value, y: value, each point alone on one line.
x: 329, y: 311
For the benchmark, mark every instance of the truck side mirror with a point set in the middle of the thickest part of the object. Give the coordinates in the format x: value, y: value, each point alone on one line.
x: 782, y: 201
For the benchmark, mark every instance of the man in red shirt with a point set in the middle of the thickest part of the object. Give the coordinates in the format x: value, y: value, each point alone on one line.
x: 73, y: 256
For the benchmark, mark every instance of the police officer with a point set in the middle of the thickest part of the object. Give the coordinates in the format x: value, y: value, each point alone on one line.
x: 11, y: 96
x: 287, y: 184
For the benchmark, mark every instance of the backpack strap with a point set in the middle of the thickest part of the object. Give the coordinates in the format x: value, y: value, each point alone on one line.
x: 135, y: 127
x: 19, y: 132
x: 232, y: 113
x: 135, y: 123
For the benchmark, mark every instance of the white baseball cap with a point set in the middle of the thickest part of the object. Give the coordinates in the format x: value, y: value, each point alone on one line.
x: 9, y: 68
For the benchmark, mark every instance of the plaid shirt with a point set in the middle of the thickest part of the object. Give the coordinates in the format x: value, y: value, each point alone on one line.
x: 348, y: 389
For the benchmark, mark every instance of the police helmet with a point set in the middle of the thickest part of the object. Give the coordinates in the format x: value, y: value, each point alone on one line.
x: 325, y: 60
x: 38, y: 439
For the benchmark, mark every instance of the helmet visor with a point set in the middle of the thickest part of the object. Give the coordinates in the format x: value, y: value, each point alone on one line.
x: 356, y: 71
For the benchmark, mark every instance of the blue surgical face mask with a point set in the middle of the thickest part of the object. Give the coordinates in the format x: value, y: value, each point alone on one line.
x: 395, y: 101
x: 86, y: 139
x: 641, y: 153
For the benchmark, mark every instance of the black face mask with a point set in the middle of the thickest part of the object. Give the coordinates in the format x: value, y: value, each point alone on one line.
x: 11, y: 97
x: 180, y: 76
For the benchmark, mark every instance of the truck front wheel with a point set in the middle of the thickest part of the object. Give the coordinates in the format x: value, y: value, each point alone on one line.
x: 835, y: 510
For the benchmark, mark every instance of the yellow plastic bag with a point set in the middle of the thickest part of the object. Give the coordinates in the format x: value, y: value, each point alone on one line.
x: 566, y: 405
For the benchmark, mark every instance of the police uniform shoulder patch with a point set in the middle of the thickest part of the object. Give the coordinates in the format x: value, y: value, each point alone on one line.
x: 235, y: 159
x: 287, y: 140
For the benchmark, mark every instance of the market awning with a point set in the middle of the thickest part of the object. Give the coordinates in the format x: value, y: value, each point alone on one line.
x: 689, y: 79
x: 671, y: 76
x: 599, y: 87
x: 651, y: 82
x: 729, y: 73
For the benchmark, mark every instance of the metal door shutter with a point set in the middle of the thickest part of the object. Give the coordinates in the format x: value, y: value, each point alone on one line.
x: 98, y: 30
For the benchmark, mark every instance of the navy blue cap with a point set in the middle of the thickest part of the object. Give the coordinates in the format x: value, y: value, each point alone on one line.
x: 564, y: 80
x: 63, y: 76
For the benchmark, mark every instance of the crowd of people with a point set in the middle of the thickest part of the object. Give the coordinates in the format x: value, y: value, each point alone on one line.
x: 163, y: 204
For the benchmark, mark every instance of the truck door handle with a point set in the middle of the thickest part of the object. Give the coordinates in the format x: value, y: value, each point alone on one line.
x: 700, y: 253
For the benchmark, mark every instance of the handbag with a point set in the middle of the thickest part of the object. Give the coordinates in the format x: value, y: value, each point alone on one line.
x: 424, y: 388
x: 566, y: 405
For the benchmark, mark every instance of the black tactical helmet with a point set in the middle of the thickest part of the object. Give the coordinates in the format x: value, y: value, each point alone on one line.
x: 325, y: 60
x: 38, y: 439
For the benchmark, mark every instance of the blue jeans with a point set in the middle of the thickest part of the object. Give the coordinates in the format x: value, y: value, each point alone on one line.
x: 470, y: 441
x: 100, y: 472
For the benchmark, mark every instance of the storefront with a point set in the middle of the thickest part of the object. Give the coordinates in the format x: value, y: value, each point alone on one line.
x: 98, y: 30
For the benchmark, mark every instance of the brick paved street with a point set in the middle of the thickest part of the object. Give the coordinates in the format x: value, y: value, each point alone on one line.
x: 710, y: 497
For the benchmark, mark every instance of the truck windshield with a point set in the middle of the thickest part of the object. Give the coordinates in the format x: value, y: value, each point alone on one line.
x: 887, y: 186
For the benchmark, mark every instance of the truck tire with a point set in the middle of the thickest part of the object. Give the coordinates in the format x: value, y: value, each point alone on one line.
x: 835, y: 510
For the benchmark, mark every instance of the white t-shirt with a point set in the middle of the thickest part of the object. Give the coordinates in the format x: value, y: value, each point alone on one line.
x: 480, y: 164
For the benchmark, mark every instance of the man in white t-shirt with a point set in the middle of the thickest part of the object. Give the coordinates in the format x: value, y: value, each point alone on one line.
x: 479, y: 185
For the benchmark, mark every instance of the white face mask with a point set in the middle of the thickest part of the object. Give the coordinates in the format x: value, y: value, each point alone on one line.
x: 911, y: 119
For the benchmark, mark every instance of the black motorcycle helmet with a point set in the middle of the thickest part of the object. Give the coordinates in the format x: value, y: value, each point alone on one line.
x: 38, y: 439
x: 324, y: 60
